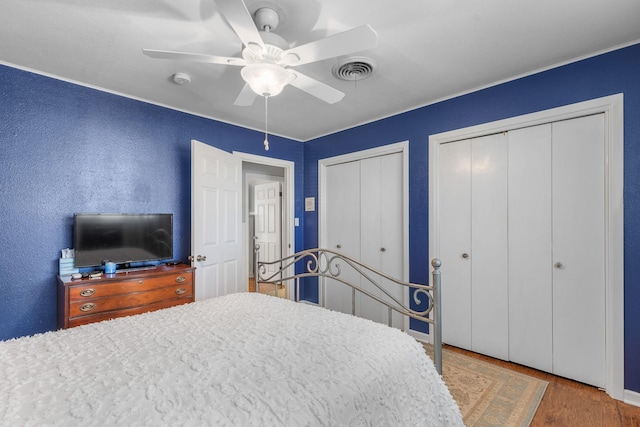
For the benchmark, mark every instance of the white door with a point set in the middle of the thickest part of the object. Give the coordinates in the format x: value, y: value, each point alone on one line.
x: 530, y: 248
x: 565, y: 240
x: 473, y: 244
x: 489, y: 286
x: 365, y: 221
x: 579, y: 249
x: 535, y: 292
x: 454, y: 204
x: 381, y: 235
x: 216, y: 209
x: 343, y: 229
x: 267, y: 204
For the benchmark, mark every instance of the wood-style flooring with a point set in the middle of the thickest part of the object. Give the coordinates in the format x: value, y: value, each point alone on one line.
x: 265, y: 288
x: 570, y: 403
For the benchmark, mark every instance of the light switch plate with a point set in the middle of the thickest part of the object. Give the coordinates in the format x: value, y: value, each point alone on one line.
x: 309, y: 204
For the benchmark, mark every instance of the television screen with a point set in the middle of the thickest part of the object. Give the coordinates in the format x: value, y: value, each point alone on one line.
x: 122, y: 238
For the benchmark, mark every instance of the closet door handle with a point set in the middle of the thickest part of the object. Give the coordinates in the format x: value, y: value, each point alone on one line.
x: 558, y: 265
x: 383, y: 249
x: 465, y: 255
x: 338, y: 246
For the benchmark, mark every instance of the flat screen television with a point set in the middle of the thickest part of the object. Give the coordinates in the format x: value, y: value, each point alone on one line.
x: 122, y: 238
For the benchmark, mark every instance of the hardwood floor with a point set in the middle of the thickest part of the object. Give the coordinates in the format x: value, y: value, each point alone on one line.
x: 570, y: 403
x: 266, y: 288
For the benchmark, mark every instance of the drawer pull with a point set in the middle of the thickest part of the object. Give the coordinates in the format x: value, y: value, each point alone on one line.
x: 87, y: 307
x: 180, y: 291
x: 180, y: 279
x: 87, y: 292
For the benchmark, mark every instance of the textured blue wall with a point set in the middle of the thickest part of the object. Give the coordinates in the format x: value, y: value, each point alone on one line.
x: 66, y: 148
x: 608, y: 74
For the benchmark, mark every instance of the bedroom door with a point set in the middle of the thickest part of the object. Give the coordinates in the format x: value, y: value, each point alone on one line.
x: 216, y: 227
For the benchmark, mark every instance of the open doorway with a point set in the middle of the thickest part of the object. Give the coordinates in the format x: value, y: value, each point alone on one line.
x: 221, y: 246
x: 267, y: 215
x: 263, y: 187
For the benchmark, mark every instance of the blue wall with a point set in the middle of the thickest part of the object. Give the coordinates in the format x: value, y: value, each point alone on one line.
x: 608, y: 74
x: 66, y: 148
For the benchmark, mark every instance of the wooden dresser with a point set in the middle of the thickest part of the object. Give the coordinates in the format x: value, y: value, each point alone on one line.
x: 82, y: 301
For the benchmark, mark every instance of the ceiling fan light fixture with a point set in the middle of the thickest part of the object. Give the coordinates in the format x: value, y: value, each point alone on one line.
x: 266, y: 79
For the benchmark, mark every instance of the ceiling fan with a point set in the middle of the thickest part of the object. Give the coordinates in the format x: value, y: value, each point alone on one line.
x: 266, y: 57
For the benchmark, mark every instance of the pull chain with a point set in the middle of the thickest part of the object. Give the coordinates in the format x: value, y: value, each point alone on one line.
x: 266, y: 124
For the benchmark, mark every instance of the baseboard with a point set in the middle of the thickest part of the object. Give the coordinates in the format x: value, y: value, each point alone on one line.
x: 632, y: 398
x: 420, y: 336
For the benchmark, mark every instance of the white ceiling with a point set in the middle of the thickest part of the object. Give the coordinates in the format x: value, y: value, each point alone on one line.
x: 428, y: 50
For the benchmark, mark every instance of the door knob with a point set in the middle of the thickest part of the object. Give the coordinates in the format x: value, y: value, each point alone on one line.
x: 465, y: 255
x: 338, y: 246
x: 559, y: 264
x: 201, y: 258
x: 382, y: 249
x: 190, y: 258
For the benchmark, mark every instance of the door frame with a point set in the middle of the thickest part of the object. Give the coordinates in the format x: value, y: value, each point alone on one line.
x: 613, y: 109
x: 398, y: 147
x: 288, y: 213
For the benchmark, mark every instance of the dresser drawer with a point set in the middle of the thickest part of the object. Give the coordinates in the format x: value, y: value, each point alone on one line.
x: 107, y: 315
x: 88, y: 306
x: 96, y: 288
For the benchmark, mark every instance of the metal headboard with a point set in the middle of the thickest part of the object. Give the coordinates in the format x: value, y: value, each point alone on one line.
x: 326, y: 263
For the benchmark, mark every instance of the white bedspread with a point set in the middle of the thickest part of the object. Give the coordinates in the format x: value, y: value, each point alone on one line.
x: 243, y: 359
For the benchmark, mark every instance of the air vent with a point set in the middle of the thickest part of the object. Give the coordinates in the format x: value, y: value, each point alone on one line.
x: 354, y: 69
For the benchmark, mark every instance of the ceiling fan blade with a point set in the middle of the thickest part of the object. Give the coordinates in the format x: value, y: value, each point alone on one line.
x: 354, y: 40
x: 196, y: 57
x: 316, y: 88
x: 245, y: 97
x: 238, y: 16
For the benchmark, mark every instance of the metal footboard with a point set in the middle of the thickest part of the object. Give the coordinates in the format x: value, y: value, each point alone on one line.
x: 325, y: 263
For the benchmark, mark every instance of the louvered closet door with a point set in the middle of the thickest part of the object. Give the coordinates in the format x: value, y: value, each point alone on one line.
x: 343, y: 228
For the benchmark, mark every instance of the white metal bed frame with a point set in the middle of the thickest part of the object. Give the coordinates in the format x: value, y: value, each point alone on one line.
x: 325, y: 263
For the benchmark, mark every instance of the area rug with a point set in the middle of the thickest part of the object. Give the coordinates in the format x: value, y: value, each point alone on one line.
x: 489, y: 395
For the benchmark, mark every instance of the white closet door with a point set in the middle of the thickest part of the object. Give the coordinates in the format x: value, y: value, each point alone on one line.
x: 343, y: 228
x: 382, y: 231
x: 579, y: 242
x: 530, y: 247
x: 454, y: 213
x: 489, y: 261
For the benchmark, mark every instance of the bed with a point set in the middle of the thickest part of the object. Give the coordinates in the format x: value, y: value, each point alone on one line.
x: 242, y: 359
